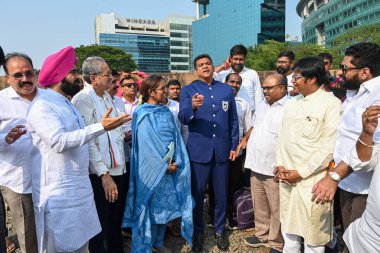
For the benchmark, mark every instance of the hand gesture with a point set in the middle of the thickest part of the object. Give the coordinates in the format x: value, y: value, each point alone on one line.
x: 172, y: 168
x: 278, y: 172
x: 370, y: 119
x: 242, y: 145
x: 112, y: 123
x: 324, y: 190
x: 197, y: 101
x: 233, y: 155
x: 110, y: 188
x: 15, y: 133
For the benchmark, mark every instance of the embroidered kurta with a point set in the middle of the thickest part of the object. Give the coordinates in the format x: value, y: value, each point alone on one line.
x: 306, y: 143
x: 62, y: 194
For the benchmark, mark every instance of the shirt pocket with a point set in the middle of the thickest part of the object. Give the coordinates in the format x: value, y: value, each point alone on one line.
x: 309, y: 126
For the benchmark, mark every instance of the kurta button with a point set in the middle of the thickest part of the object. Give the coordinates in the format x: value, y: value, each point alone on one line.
x: 214, y: 125
x: 213, y: 105
x: 212, y: 96
x: 213, y: 115
x: 213, y: 135
x: 210, y: 88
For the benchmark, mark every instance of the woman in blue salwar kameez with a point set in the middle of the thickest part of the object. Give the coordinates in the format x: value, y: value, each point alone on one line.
x: 158, y: 192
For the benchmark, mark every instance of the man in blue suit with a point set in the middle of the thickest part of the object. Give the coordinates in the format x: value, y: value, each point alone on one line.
x: 208, y: 108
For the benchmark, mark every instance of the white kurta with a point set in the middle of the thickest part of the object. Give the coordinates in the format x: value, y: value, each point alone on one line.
x: 306, y: 142
x: 62, y: 194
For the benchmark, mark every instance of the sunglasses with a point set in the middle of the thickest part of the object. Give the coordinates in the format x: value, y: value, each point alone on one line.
x: 27, y: 74
x: 129, y: 85
x: 345, y: 68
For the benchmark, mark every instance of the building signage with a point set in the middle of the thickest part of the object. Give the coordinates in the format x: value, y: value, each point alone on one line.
x: 141, y: 21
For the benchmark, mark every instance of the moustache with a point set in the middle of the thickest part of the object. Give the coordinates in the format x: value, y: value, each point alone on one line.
x: 22, y: 84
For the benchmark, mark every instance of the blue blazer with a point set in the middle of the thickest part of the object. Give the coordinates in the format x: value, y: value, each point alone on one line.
x: 213, y: 127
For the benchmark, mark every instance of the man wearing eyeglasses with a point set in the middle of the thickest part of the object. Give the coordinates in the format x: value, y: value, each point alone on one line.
x: 304, y: 150
x: 108, y: 172
x: 16, y: 145
x: 360, y: 70
x: 261, y: 161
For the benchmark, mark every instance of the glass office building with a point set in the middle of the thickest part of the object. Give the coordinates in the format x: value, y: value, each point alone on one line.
x: 156, y: 47
x: 324, y: 20
x: 221, y: 24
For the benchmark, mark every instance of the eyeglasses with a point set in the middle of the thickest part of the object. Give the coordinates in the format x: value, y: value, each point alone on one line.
x: 345, y: 68
x: 27, y: 74
x: 296, y: 77
x: 162, y: 89
x: 129, y: 85
x: 269, y: 88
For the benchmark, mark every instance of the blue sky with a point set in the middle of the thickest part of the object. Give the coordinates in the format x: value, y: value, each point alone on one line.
x: 42, y: 27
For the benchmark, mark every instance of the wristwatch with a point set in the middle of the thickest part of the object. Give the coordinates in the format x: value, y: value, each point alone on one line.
x: 335, y: 176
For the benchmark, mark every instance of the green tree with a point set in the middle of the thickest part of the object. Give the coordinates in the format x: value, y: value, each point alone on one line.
x: 367, y: 33
x: 264, y: 56
x: 116, y: 58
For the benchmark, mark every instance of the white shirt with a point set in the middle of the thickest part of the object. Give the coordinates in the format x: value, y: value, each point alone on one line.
x: 15, y: 170
x: 100, y: 161
x: 363, y: 235
x: 250, y: 89
x: 290, y: 83
x: 119, y: 105
x: 349, y: 130
x: 62, y: 189
x: 174, y: 108
x: 244, y: 115
x: 261, y: 146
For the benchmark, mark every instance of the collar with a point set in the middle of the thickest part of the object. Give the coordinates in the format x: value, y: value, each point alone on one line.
x: 134, y: 102
x: 204, y: 83
x: 13, y: 94
x: 279, y: 102
x: 312, y: 95
x: 245, y: 69
x: 371, y: 85
x: 55, y: 94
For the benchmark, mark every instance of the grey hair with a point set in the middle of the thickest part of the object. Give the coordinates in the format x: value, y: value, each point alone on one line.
x: 16, y: 55
x: 92, y: 66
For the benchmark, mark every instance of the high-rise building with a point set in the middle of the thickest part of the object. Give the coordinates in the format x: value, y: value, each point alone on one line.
x: 221, y: 24
x: 324, y: 20
x: 156, y: 46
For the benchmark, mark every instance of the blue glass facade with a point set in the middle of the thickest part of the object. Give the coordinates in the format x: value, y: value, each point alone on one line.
x: 151, y: 53
x: 225, y: 23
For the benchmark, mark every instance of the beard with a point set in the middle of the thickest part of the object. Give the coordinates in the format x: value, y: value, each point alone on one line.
x: 282, y: 70
x: 237, y: 67
x: 352, y: 84
x: 71, y: 88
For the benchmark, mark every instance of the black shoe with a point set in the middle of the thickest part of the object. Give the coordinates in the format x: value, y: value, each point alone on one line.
x: 254, y: 242
x: 272, y: 250
x: 210, y: 224
x: 222, y: 241
x: 197, y: 243
x: 232, y: 225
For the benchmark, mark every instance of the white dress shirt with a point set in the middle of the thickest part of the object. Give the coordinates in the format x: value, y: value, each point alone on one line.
x: 174, y: 108
x: 100, y: 151
x: 119, y: 105
x: 261, y: 146
x: 244, y: 115
x: 15, y: 170
x: 349, y: 130
x: 363, y: 235
x: 62, y: 192
x: 250, y: 89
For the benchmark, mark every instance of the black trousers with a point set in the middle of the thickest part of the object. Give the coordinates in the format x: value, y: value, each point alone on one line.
x: 235, y: 182
x: 3, y: 228
x: 110, y: 239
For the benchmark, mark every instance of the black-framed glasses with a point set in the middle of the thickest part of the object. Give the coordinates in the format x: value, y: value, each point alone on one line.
x: 296, y: 77
x: 129, y: 85
x: 27, y: 74
x: 269, y: 88
x: 345, y: 68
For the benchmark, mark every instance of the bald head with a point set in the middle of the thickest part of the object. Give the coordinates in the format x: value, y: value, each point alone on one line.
x: 274, y: 87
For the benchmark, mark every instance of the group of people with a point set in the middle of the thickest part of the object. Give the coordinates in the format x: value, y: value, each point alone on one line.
x: 82, y: 157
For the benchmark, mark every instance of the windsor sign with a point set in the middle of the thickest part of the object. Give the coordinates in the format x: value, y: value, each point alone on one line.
x: 141, y: 21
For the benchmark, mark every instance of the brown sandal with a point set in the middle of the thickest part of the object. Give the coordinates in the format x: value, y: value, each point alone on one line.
x: 11, y: 247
